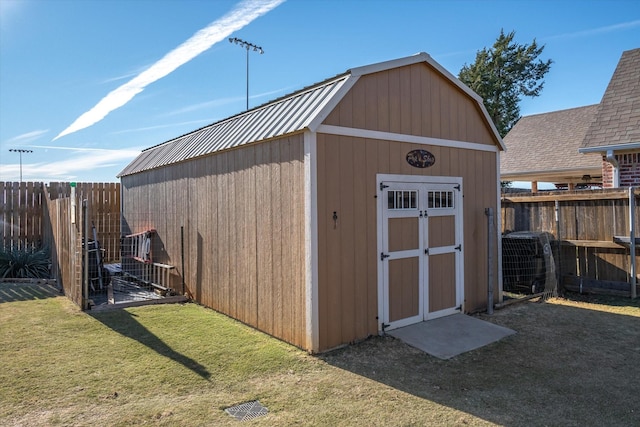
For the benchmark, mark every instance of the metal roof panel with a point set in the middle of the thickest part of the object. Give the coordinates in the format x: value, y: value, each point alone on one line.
x: 280, y: 117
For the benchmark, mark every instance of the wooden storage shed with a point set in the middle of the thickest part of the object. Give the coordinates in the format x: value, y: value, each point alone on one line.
x: 347, y: 208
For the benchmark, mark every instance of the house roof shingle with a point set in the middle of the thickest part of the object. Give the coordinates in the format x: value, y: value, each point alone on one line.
x: 547, y: 142
x: 617, y: 120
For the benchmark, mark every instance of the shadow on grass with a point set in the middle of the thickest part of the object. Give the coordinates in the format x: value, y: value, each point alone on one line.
x: 603, y: 299
x: 125, y: 323
x: 11, y: 292
x: 565, y: 366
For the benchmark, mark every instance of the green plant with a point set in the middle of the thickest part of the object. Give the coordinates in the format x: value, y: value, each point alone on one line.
x: 24, y: 264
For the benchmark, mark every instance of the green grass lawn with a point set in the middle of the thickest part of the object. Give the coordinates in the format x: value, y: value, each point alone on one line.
x: 173, y: 364
x: 571, y: 363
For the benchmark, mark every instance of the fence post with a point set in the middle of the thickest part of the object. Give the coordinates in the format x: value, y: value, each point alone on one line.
x: 490, y: 275
x: 632, y: 239
x: 559, y: 248
x: 182, y: 254
x: 85, y: 254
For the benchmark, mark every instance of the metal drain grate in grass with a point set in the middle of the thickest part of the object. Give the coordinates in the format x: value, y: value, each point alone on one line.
x: 247, y: 411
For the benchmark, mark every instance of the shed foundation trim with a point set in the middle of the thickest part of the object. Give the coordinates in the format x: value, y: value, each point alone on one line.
x: 414, y: 139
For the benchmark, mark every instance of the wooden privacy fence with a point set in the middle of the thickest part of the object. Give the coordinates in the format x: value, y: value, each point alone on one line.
x: 34, y: 214
x: 64, y: 238
x: 592, y: 232
x: 21, y: 207
x: 22, y: 210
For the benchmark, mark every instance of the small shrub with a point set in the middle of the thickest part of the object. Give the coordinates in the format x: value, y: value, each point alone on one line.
x: 24, y: 264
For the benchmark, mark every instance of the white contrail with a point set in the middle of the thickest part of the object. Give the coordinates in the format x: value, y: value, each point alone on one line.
x: 598, y: 30
x: 82, y: 149
x: 27, y: 137
x: 242, y: 15
x: 78, y: 162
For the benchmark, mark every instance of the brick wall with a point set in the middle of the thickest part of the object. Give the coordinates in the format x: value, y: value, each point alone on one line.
x: 607, y: 173
x: 629, y: 170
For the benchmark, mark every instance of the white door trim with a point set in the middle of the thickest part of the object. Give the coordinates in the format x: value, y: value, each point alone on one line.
x: 382, y: 244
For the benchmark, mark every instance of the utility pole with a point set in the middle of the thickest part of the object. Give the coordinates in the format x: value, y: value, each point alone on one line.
x: 247, y: 46
x: 20, y: 151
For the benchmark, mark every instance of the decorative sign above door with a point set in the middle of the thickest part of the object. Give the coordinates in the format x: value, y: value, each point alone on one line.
x: 420, y: 158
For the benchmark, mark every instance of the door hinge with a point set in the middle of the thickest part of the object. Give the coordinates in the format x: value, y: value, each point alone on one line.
x: 426, y: 251
x: 458, y: 248
x: 382, y: 186
x: 384, y: 326
x: 457, y: 187
x: 383, y: 256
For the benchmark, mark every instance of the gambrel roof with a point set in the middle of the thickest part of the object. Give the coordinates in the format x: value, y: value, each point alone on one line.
x: 293, y: 113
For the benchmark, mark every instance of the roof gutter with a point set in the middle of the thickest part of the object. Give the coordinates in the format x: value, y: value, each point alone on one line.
x: 606, y: 148
x: 611, y: 158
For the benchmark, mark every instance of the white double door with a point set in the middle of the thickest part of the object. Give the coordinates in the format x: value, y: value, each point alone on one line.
x: 420, y: 248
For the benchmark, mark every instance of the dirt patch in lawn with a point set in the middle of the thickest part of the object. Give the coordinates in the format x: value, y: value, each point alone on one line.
x: 571, y: 362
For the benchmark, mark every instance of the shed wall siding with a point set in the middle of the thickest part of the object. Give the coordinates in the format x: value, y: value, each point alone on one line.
x: 243, y: 217
x: 412, y: 100
x: 347, y: 270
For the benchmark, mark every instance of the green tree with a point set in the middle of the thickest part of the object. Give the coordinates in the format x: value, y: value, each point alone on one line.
x: 504, y: 73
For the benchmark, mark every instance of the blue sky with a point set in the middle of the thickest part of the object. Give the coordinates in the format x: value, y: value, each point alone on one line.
x: 61, y: 58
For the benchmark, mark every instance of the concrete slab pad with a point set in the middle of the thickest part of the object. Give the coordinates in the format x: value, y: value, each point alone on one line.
x: 449, y: 336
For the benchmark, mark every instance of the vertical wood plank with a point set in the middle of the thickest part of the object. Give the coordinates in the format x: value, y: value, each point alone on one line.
x: 371, y: 208
x: 264, y: 201
x: 395, y: 113
x: 383, y: 101
x: 415, y: 99
x: 435, y: 106
x: 371, y: 102
x: 358, y: 106
x: 299, y: 252
x: 360, y: 236
x: 278, y: 237
x: 324, y: 284
x: 251, y: 213
x: 334, y: 254
x: 346, y: 237
x: 405, y: 100
x: 224, y: 231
